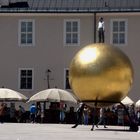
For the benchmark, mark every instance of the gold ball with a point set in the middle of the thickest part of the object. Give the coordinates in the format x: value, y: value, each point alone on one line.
x: 100, y: 73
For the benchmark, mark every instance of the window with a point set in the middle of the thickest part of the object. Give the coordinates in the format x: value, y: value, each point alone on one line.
x: 71, y: 32
x: 67, y: 85
x: 26, y: 79
x: 26, y: 33
x: 119, y: 32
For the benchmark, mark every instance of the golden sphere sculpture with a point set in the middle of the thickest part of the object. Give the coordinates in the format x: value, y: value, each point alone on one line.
x: 100, y: 73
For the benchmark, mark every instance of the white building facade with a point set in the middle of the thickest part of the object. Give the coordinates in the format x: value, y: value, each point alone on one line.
x: 37, y: 46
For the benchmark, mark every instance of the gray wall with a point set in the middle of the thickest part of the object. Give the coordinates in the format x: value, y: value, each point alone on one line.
x: 49, y: 51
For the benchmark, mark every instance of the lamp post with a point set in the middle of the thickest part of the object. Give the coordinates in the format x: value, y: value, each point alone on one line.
x: 48, y: 71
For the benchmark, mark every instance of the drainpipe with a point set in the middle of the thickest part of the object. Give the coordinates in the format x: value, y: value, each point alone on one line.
x: 95, y: 27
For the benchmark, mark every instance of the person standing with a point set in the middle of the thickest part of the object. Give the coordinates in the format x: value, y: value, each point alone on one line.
x: 62, y: 112
x: 33, y: 111
x: 86, y: 115
x: 138, y: 116
x: 2, y: 112
x: 22, y: 115
x: 120, y: 113
x: 38, y: 113
x: 13, y: 112
x: 101, y: 30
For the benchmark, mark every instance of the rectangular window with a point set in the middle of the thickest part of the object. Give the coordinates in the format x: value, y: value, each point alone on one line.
x: 71, y: 32
x: 67, y: 85
x: 119, y: 32
x: 26, y: 33
x: 26, y: 79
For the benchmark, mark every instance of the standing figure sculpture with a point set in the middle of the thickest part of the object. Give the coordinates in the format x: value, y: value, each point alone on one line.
x: 101, y: 30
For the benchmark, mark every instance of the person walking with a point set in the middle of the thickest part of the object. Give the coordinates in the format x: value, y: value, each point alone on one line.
x: 79, y: 113
x: 101, y: 30
x: 93, y: 116
x: 102, y: 118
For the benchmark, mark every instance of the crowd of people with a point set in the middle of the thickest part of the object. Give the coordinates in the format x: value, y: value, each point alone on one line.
x: 35, y: 114
x: 115, y: 115
x: 58, y: 113
x: 11, y: 114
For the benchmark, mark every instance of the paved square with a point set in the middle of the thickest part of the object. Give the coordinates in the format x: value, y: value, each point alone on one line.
x: 26, y: 131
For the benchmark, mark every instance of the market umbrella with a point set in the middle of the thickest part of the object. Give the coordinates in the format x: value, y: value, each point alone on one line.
x: 137, y: 103
x: 54, y: 95
x: 127, y: 101
x: 11, y: 95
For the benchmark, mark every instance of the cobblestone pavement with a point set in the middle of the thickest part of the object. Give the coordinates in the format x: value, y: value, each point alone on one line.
x: 26, y: 131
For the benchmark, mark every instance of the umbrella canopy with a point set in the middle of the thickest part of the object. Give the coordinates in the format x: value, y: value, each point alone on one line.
x: 137, y: 103
x: 127, y: 101
x: 11, y: 95
x: 54, y: 95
